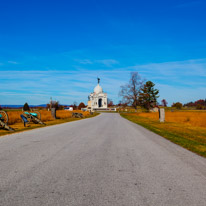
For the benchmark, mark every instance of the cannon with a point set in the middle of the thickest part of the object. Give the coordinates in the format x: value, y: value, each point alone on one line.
x: 34, y: 117
x: 4, y: 121
x: 77, y: 115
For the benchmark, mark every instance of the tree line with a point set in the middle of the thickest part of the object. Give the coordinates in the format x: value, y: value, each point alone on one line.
x: 138, y: 92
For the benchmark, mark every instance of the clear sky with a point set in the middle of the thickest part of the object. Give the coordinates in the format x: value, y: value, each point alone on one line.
x: 58, y: 48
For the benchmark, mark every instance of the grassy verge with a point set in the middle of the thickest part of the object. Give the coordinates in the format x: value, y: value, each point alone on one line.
x: 189, y: 137
x: 19, y: 127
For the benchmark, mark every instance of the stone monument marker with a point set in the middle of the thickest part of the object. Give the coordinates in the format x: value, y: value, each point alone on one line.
x: 53, y: 112
x: 162, y: 115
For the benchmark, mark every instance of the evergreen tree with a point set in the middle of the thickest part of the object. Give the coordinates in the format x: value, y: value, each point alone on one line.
x: 148, y: 95
x: 26, y: 107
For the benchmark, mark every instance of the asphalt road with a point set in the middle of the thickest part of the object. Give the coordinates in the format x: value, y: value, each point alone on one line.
x: 105, y: 160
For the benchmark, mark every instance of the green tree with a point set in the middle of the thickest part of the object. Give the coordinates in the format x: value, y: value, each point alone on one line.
x: 26, y: 107
x: 148, y: 95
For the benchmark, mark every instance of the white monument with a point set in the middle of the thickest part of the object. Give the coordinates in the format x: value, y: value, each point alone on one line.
x: 97, y: 99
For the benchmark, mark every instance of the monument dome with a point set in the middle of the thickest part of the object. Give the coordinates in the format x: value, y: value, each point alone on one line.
x: 98, y: 89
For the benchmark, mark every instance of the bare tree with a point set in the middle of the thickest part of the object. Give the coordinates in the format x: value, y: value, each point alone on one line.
x: 110, y: 102
x: 130, y: 91
x: 164, y: 103
x: 75, y: 107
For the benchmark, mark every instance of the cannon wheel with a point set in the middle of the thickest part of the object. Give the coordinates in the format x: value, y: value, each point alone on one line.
x: 5, y: 117
x: 28, y: 116
x: 38, y: 115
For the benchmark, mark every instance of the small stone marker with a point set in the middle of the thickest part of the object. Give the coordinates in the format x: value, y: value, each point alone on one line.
x: 53, y: 112
x: 162, y: 115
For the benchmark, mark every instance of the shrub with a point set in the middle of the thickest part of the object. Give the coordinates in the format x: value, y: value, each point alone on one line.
x: 178, y: 105
x: 199, y: 106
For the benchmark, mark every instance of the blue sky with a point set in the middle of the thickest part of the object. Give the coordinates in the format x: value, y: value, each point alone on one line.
x: 58, y: 48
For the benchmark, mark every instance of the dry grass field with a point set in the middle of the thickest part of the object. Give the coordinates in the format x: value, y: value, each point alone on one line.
x: 190, y: 118
x: 62, y: 116
x: 186, y: 128
x: 14, y: 116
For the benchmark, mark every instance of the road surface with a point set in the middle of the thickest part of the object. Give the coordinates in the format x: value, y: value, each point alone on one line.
x: 105, y: 160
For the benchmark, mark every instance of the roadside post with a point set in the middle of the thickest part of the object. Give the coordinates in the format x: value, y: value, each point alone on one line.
x: 53, y: 112
x: 162, y: 115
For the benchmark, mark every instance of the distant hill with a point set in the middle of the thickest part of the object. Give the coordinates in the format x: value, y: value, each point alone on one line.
x: 12, y: 106
x: 20, y: 106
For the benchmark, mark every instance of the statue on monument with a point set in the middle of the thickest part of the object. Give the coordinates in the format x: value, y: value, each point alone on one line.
x: 98, y: 79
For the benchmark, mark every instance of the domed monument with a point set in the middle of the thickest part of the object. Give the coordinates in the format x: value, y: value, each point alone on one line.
x: 97, y: 99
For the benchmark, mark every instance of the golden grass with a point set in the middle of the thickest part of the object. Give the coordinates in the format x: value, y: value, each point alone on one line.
x: 14, y: 116
x: 190, y: 118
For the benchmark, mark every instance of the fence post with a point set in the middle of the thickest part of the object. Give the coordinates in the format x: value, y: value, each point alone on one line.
x: 162, y: 115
